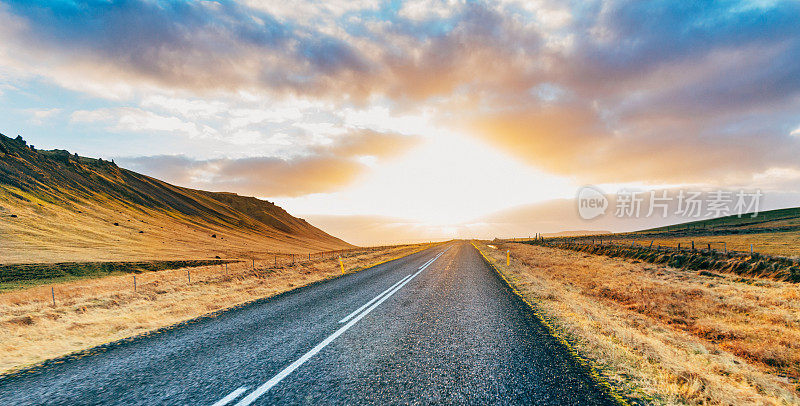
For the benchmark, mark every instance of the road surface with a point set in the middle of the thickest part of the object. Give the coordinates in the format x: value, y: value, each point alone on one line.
x: 438, y: 326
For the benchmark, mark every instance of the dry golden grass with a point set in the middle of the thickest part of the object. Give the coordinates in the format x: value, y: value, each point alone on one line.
x: 785, y: 243
x: 95, y: 311
x: 666, y: 335
x: 85, y: 231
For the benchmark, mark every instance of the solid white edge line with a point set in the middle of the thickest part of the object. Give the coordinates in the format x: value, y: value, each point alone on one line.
x: 302, y: 360
x: 365, y: 305
x: 231, y: 396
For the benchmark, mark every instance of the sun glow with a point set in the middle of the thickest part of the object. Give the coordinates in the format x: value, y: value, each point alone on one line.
x: 447, y: 179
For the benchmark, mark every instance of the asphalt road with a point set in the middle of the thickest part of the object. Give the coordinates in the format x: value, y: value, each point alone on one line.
x: 438, y: 326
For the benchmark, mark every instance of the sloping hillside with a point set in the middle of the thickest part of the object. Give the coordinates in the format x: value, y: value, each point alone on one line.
x: 771, y: 232
x: 57, y: 206
x: 767, y: 221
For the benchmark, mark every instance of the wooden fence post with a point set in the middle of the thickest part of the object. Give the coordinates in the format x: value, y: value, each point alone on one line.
x: 189, y: 275
x: 53, y: 294
x: 134, y: 282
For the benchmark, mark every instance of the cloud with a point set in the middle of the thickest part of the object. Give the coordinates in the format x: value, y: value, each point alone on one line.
x: 573, y: 140
x: 369, y: 143
x: 260, y: 176
x: 659, y: 92
x: 324, y: 169
x: 133, y: 119
x: 419, y: 10
x: 227, y: 46
x: 195, y: 45
x: 40, y: 115
x: 602, y: 91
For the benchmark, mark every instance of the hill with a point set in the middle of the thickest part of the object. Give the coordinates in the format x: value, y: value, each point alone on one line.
x: 771, y: 232
x: 56, y: 207
x: 573, y: 233
x: 767, y: 221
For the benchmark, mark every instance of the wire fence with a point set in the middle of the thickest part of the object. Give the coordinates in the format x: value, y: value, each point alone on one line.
x: 667, y: 245
x: 159, y: 281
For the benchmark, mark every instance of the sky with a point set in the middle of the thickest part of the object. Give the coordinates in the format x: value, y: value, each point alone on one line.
x: 431, y: 113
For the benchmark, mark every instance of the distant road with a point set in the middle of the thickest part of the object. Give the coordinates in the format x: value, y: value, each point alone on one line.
x: 438, y: 326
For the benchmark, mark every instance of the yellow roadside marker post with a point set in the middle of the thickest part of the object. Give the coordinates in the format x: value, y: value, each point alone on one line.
x: 508, y: 257
x: 341, y: 264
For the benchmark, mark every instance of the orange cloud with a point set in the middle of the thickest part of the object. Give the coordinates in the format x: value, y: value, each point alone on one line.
x: 325, y: 169
x: 275, y: 177
x: 573, y: 140
x: 370, y: 143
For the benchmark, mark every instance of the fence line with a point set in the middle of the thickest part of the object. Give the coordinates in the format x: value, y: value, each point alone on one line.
x: 709, y: 247
x: 142, y: 282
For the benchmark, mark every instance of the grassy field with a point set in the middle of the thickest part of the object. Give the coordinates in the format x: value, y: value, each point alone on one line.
x: 771, y: 219
x: 662, y: 335
x: 91, y: 312
x: 20, y: 276
x: 785, y: 243
x: 775, y: 232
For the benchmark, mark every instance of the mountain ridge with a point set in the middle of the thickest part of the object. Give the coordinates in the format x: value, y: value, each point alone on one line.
x: 54, y: 185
